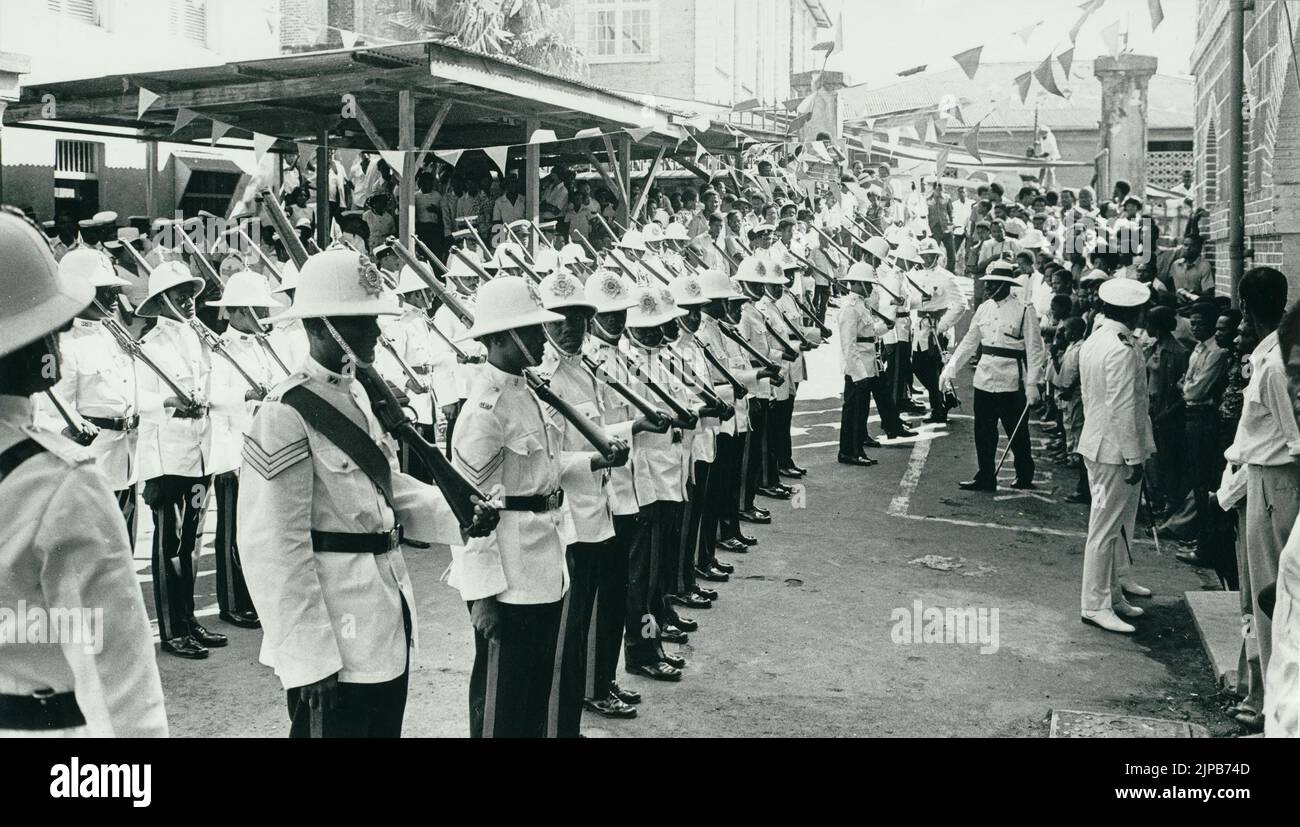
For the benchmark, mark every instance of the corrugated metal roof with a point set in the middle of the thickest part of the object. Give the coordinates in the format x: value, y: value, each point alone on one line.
x: 993, y: 96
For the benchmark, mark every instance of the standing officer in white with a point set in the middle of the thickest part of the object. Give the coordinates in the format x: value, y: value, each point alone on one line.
x: 1115, y: 442
x: 64, y: 544
x: 323, y: 513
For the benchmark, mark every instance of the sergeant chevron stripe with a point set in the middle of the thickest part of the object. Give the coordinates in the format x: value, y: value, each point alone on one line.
x: 270, y: 464
x: 478, y: 475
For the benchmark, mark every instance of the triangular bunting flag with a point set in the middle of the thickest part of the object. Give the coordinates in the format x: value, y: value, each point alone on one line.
x: 929, y: 135
x: 262, y: 144
x: 219, y: 129
x: 1157, y: 13
x: 396, y: 159
x: 922, y: 126
x: 941, y: 161
x: 1066, y: 60
x: 1110, y: 35
x: 499, y: 155
x: 305, y: 151
x: 971, y: 140
x: 640, y: 133
x: 451, y: 156
x: 1074, y: 30
x: 145, y: 101
x: 969, y: 61
x: 349, y: 38
x: 700, y: 151
x: 592, y: 132
x: 543, y: 136
x: 1022, y: 83
x: 183, y: 117
x: 1028, y: 32
x: 1044, y: 75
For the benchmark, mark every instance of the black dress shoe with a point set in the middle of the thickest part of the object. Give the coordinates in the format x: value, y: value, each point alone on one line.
x: 870, y: 442
x: 675, y: 661
x: 733, y: 545
x: 610, y: 707
x: 1192, y: 558
x: 790, y: 472
x: 244, y: 620
x: 672, y: 634
x: 775, y: 493
x: 627, y: 696
x: 690, y: 601
x: 712, y: 575
x: 749, y: 541
x: 684, y: 624
x: 1023, y: 485
x: 212, y: 640
x: 977, y: 485
x: 657, y: 671
x: 185, y: 647
x: 936, y: 420
x: 752, y: 516
x: 725, y: 568
x: 802, y: 471
x: 761, y: 511
x: 864, y: 461
x: 900, y: 433
x: 707, y: 594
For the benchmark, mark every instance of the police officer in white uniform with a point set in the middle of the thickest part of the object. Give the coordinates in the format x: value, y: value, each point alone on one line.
x: 64, y: 545
x: 860, y: 329
x: 1115, y: 442
x: 411, y: 340
x: 323, y: 513
x: 1006, y: 335
x: 935, y: 316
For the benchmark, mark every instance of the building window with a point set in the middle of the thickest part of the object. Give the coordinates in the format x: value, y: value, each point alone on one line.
x: 190, y: 20
x: 620, y: 30
x: 77, y: 157
x: 83, y: 11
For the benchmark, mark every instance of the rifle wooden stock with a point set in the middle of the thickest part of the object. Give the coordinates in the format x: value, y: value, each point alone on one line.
x: 542, y: 389
x: 734, y: 335
x: 673, y: 405
x: 270, y: 265
x: 637, y: 401
x: 622, y: 265
x: 797, y: 331
x: 209, y: 272
x: 135, y: 351
x: 425, y: 275
x: 790, y: 353
x: 528, y: 270
x: 925, y: 296
x: 266, y: 345
x: 839, y: 249
x: 411, y: 375
x: 727, y: 376
x: 702, y: 389
x: 807, y: 311
x: 292, y: 243
x: 213, y: 342
x: 83, y: 437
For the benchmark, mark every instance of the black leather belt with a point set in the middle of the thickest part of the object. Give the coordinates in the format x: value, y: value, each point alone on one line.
x: 130, y: 423
x: 44, y: 709
x: 865, y: 339
x: 536, y: 502
x: 1005, y: 352
x: 421, y: 370
x: 343, y: 542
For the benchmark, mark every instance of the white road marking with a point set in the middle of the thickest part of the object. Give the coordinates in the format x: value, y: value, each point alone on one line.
x: 911, y: 477
x: 1052, y: 532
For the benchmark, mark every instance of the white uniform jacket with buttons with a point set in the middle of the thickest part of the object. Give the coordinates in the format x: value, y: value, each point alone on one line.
x: 659, y: 464
x: 894, y: 283
x: 169, y: 444
x: 64, y: 546
x: 586, y: 492
x: 704, y: 445
x: 856, y: 323
x: 411, y: 339
x: 328, y: 612
x: 289, y: 339
x: 231, y: 413
x: 1113, y: 381
x: 754, y: 332
x: 1009, y: 325
x: 733, y: 358
x: 505, y: 444
x: 619, y: 418
x: 98, y: 379
x: 943, y: 309
x: 463, y: 372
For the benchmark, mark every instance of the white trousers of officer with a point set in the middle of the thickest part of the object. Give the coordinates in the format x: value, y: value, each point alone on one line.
x: 1110, y: 533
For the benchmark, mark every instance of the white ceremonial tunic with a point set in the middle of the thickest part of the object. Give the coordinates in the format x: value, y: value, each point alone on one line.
x: 946, y: 302
x: 412, y: 340
x: 505, y: 444
x: 659, y: 464
x: 733, y: 359
x: 65, y: 546
x: 464, y: 372
x: 1010, y: 325
x: 98, y: 379
x: 753, y: 331
x: 231, y: 413
x: 587, y: 493
x: 168, y: 444
x: 328, y: 612
x: 703, y: 447
x: 859, y: 332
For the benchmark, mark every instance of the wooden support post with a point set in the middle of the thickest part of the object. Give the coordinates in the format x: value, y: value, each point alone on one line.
x: 648, y: 181
x: 533, y: 183
x: 151, y: 178
x: 410, y: 165
x: 623, y: 169
x: 323, y: 189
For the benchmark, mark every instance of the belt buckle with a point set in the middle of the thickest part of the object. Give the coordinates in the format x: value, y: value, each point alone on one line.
x: 553, y: 499
x: 395, y: 537
x: 43, y: 696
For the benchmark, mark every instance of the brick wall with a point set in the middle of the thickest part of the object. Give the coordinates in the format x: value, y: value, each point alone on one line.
x: 301, y: 23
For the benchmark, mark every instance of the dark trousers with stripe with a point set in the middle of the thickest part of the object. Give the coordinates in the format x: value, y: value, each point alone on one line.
x: 179, y: 505
x: 756, y: 451
x: 569, y: 681
x: 697, y: 492
x: 780, y: 418
x: 126, y: 504
x: 878, y: 388
x: 927, y: 364
x: 720, y: 503
x: 361, y: 710
x: 853, y: 417
x: 898, y: 372
x: 232, y: 591
x: 666, y: 538
x: 510, y: 683
x: 640, y: 630
x: 609, y: 613
x: 990, y: 409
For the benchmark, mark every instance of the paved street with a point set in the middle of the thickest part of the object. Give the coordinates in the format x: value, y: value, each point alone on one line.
x: 803, y: 641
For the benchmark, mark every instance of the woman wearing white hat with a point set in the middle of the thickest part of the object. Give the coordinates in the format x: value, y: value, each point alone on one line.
x: 234, y: 402
x: 590, y: 498
x: 98, y: 381
x: 323, y: 513
x: 176, y: 453
x: 62, y: 526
